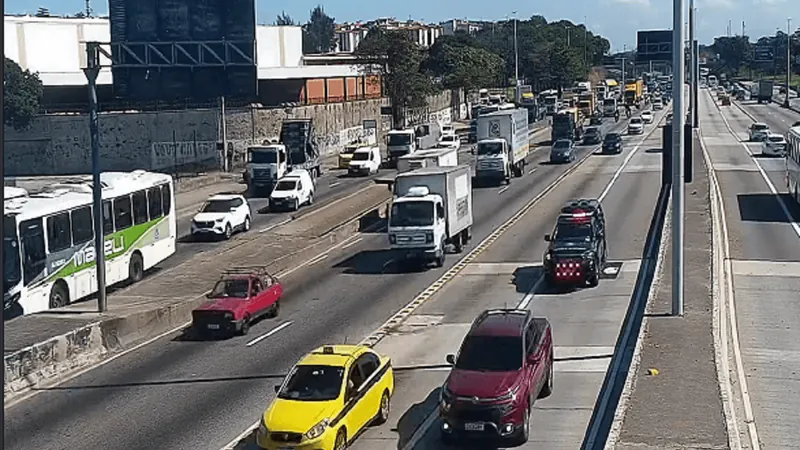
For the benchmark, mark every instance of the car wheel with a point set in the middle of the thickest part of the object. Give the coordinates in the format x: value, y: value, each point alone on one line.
x: 594, y: 277
x: 526, y: 427
x: 341, y: 440
x: 383, y: 409
x: 59, y: 295
x: 247, y: 223
x: 274, y: 310
x: 228, y: 232
x: 547, y: 389
x: 135, y: 268
x: 310, y: 198
x: 245, y: 326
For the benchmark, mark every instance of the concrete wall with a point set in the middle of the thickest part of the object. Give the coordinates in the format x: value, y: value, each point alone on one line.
x: 186, y: 141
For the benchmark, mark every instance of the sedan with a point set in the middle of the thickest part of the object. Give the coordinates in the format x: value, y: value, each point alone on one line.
x: 647, y: 117
x: 592, y: 135
x: 612, y: 144
x: 563, y: 151
x: 636, y: 126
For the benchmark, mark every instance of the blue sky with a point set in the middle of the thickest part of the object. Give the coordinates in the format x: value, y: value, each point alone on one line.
x: 617, y: 20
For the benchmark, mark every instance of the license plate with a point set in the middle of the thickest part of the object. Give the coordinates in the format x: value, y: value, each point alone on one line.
x: 473, y: 426
x: 213, y: 326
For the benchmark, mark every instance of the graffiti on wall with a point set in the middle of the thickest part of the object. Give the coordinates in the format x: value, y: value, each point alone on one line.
x: 168, y: 155
x: 423, y: 115
x: 331, y: 143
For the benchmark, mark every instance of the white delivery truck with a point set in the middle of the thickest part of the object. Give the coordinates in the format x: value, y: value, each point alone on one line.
x: 502, y: 145
x: 435, y: 157
x: 431, y: 209
x: 410, y: 140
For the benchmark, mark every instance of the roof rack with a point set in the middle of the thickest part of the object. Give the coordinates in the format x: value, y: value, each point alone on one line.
x: 583, y: 205
x: 260, y: 271
x: 500, y: 311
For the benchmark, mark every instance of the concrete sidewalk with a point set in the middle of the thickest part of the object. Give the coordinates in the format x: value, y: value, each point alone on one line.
x: 675, y: 400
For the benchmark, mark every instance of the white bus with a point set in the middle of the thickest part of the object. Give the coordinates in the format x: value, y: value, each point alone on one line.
x: 793, y: 163
x: 48, y: 238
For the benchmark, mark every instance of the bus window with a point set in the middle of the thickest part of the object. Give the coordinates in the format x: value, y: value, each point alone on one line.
x: 59, y: 232
x: 154, y: 203
x: 108, y: 218
x: 34, y: 256
x: 166, y: 196
x: 122, y: 213
x: 139, y: 207
x: 82, y: 225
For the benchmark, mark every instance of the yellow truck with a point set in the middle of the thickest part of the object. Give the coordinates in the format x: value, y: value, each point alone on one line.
x: 586, y: 103
x: 633, y: 92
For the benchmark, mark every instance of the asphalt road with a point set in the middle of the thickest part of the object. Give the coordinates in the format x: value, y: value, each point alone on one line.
x: 586, y: 322
x: 181, y: 394
x: 332, y: 184
x: 765, y: 253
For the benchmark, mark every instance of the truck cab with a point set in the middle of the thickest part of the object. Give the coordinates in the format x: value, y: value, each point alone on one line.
x: 400, y: 143
x: 417, y: 224
x: 266, y: 164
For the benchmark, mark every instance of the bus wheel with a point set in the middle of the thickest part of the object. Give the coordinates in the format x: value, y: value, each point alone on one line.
x: 59, y: 295
x: 136, y: 268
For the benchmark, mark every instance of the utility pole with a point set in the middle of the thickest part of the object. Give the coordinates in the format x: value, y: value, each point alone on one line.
x: 224, y: 123
x: 692, y: 80
x: 788, y: 60
x: 517, y: 91
x: 585, y: 46
x: 91, y: 71
x: 678, y: 119
x: 743, y: 28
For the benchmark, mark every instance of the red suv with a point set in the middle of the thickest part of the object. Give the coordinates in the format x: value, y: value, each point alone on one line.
x: 504, y: 364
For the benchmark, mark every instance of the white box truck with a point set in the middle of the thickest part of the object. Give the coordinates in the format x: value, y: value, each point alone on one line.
x: 435, y: 157
x: 502, y: 145
x: 431, y: 209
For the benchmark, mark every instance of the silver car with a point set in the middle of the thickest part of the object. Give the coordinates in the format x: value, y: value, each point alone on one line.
x: 758, y: 131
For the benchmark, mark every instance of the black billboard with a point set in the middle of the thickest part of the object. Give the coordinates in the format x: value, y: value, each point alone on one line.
x: 763, y: 53
x: 655, y: 45
x: 183, y: 49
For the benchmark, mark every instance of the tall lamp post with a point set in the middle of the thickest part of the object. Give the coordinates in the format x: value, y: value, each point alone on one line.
x: 788, y: 60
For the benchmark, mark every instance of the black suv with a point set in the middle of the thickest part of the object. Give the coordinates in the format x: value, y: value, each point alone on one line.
x: 612, y: 143
x: 577, y: 251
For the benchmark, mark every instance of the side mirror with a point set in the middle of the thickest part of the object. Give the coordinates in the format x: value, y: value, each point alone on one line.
x: 451, y: 359
x: 547, y: 237
x: 208, y: 295
x: 277, y: 388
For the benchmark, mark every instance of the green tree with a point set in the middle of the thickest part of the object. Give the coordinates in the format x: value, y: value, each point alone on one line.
x: 458, y: 63
x: 284, y: 19
x: 398, y: 61
x: 320, y: 32
x: 22, y: 92
x: 734, y: 53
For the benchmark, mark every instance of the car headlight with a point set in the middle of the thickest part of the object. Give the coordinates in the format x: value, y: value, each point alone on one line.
x: 9, y: 301
x: 317, y: 430
x: 429, y: 237
x: 220, y: 220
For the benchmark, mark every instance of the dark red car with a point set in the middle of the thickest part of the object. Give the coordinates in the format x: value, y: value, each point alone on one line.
x: 504, y: 364
x: 241, y: 296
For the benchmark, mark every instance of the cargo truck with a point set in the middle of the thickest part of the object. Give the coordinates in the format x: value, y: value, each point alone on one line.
x: 765, y: 89
x: 567, y: 125
x: 609, y: 107
x: 431, y: 208
x: 435, y: 157
x: 269, y: 162
x: 633, y: 92
x: 409, y: 140
x: 502, y: 145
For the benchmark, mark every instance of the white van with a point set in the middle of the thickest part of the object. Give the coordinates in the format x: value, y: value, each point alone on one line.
x: 365, y: 161
x: 294, y: 190
x: 658, y: 104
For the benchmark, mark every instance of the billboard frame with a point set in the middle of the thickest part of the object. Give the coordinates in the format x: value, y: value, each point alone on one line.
x: 654, y: 46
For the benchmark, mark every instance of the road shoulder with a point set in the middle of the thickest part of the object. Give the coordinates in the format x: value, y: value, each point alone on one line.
x: 675, y: 402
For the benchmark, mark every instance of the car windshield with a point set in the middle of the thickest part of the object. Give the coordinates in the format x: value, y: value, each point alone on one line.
x: 636, y: 121
x: 399, y: 139
x: 612, y: 137
x: 776, y: 138
x: 217, y: 206
x: 592, y: 131
x: 412, y: 214
x: 361, y: 156
x: 287, y: 185
x: 573, y: 232
x: 760, y: 127
x: 313, y: 384
x: 448, y: 138
x: 490, y: 148
x: 349, y: 150
x: 263, y: 157
x: 11, y: 269
x: 490, y: 354
x: 647, y: 113
x: 231, y: 289
x: 561, y: 145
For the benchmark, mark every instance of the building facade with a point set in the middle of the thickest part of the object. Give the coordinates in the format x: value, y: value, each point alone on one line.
x: 349, y: 35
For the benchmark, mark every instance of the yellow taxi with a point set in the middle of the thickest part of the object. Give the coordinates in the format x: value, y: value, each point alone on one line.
x: 327, y: 398
x: 346, y: 155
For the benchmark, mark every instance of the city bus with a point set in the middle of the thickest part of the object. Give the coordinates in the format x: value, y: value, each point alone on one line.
x: 793, y: 163
x: 48, y: 238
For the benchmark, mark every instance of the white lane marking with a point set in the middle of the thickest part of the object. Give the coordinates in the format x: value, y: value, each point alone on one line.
x: 720, y: 330
x: 422, y: 430
x: 352, y: 243
x: 275, y: 225
x: 731, y: 308
x: 528, y: 298
x: 268, y: 334
x: 334, y: 184
x: 503, y: 190
x: 795, y: 226
x: 531, y: 171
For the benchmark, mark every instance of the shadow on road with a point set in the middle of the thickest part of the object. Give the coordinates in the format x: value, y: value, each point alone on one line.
x: 766, y: 208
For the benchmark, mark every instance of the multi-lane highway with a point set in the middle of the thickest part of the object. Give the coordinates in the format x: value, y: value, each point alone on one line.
x: 180, y: 394
x: 763, y: 237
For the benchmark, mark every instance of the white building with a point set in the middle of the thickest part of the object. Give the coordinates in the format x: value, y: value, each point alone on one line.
x: 350, y: 35
x: 450, y: 27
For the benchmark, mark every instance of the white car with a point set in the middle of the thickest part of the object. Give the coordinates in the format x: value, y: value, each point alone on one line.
x: 658, y: 104
x: 773, y: 145
x: 448, y: 129
x: 365, y: 161
x: 294, y: 190
x: 647, y: 117
x: 758, y: 131
x: 636, y: 126
x: 450, y: 141
x: 221, y: 215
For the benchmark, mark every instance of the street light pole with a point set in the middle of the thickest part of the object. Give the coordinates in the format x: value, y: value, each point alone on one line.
x: 91, y: 71
x: 788, y: 60
x: 692, y: 81
x: 678, y: 119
